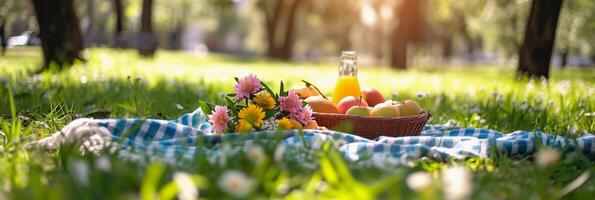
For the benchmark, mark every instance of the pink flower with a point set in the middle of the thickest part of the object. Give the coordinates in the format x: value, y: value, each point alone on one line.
x: 304, y: 115
x: 246, y: 86
x: 291, y: 103
x: 219, y: 119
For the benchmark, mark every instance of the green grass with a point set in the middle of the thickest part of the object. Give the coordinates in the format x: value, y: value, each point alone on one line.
x: 127, y: 86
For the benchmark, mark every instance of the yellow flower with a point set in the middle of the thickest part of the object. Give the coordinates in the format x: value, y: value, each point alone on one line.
x: 243, y: 126
x: 264, y: 100
x: 253, y: 115
x: 284, y: 124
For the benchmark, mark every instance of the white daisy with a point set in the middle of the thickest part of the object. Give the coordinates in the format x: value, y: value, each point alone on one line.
x: 80, y: 171
x: 419, y: 180
x: 256, y: 154
x: 83, y: 79
x: 456, y: 183
x: 236, y: 184
x: 279, y: 152
x: 547, y: 156
x: 186, y: 187
x: 103, y: 164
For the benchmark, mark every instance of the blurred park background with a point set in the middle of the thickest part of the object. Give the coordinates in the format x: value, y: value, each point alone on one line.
x: 396, y: 33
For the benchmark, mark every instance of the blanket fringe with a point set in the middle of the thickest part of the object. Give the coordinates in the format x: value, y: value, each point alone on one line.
x: 84, y: 131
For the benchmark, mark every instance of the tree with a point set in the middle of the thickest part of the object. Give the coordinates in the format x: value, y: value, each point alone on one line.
x: 339, y: 18
x: 3, y: 34
x: 172, y: 18
x: 449, y: 22
x: 497, y: 25
x: 59, y: 30
x: 280, y: 34
x: 3, y: 22
x: 407, y: 30
x: 540, y: 34
x: 575, y: 34
x: 91, y: 16
x: 119, y: 11
x: 146, y: 41
x: 10, y: 10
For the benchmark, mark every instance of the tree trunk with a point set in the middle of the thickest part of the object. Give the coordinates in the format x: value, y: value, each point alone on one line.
x: 564, y: 58
x: 377, y: 43
x: 59, y: 30
x: 465, y: 34
x: 286, y: 50
x: 176, y: 36
x: 540, y: 33
x: 408, y: 30
x: 180, y: 24
x: 399, y: 50
x: 119, y: 9
x: 91, y: 15
x: 3, y: 39
x: 146, y: 18
x: 447, y: 47
x: 281, y: 48
x: 146, y: 40
x: 271, y: 28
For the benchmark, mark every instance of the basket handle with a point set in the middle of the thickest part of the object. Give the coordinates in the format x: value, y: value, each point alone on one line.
x: 429, y: 114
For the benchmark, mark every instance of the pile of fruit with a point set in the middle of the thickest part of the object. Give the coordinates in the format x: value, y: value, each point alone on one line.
x: 371, y: 103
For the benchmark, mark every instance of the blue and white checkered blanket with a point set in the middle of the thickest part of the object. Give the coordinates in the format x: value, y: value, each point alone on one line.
x: 191, y: 135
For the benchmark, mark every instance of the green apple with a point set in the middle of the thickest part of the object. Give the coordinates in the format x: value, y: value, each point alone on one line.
x: 409, y: 107
x: 348, y: 102
x: 359, y: 111
x: 392, y: 103
x: 385, y: 110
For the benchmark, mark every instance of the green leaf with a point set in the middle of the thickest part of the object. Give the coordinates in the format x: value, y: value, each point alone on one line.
x: 268, y: 89
x: 328, y: 172
x: 268, y: 113
x: 230, y: 102
x: 199, y: 181
x: 206, y: 108
x: 281, y: 89
x: 152, y: 177
x: 340, y: 166
x: 169, y: 191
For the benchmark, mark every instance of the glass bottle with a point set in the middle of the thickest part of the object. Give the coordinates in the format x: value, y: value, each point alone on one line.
x: 347, y: 83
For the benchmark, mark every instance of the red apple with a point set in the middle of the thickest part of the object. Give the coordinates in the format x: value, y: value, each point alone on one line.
x: 372, y: 96
x: 349, y: 101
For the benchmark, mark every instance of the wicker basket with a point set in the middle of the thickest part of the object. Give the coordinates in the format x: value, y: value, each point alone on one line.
x: 373, y: 127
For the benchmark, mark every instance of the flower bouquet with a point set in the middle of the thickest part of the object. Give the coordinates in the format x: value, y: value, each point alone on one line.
x: 255, y: 107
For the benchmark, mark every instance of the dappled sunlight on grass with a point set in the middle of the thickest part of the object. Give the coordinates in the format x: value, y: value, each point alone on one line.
x: 117, y: 83
x: 492, y: 95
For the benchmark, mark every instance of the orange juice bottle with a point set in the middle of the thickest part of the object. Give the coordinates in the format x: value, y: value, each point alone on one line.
x: 347, y: 84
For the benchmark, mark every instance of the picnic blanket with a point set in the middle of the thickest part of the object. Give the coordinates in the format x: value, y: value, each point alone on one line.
x: 190, y: 135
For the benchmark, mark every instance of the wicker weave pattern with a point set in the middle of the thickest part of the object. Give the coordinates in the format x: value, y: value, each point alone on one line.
x: 373, y: 127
